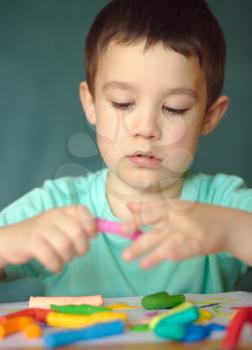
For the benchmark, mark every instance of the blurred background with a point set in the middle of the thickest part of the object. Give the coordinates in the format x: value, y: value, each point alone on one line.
x: 43, y: 132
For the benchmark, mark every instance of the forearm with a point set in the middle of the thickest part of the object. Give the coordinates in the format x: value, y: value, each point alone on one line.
x: 2, y: 274
x: 2, y: 251
x: 240, y: 242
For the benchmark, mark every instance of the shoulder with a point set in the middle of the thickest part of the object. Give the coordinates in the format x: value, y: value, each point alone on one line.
x: 73, y: 189
x: 54, y: 193
x: 220, y: 189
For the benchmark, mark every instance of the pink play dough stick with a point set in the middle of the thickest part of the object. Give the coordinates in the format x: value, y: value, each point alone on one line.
x: 45, y: 302
x: 115, y: 228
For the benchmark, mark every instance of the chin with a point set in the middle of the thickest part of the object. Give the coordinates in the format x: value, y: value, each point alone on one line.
x: 141, y: 179
x: 142, y: 182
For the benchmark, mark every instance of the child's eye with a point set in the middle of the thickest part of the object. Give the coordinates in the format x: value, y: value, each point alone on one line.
x: 171, y: 111
x: 121, y: 105
x: 174, y: 111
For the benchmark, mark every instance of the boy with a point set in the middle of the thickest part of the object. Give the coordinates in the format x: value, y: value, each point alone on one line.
x: 155, y: 72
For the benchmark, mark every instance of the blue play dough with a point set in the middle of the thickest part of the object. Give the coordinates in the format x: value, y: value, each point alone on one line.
x: 196, y: 333
x: 199, y: 332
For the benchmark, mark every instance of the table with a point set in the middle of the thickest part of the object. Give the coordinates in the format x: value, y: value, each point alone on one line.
x: 144, y: 341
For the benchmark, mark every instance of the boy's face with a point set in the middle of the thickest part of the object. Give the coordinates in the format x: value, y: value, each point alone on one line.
x: 148, y: 101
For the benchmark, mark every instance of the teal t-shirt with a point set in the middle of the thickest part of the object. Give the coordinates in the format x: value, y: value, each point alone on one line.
x: 102, y: 270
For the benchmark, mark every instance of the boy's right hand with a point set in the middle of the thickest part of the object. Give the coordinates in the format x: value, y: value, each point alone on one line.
x: 53, y: 237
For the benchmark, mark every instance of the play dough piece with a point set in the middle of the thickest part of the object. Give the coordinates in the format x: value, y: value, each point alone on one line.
x: 155, y: 301
x: 162, y: 300
x: 184, y: 317
x: 20, y: 324
x: 196, y: 333
x: 56, y: 319
x: 37, y: 314
x: 115, y: 228
x: 205, y: 315
x: 175, y: 326
x: 123, y: 306
x: 53, y: 340
x: 32, y: 331
x: 45, y: 302
x: 178, y: 309
x: 82, y: 309
x: 173, y: 332
x: 140, y: 328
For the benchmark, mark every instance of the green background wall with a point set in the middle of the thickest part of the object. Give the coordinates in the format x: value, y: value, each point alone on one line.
x: 43, y: 133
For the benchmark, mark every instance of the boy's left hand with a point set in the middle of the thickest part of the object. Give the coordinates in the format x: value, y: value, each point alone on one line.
x: 179, y: 230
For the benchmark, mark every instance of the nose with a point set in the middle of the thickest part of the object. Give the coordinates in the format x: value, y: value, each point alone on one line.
x: 145, y: 125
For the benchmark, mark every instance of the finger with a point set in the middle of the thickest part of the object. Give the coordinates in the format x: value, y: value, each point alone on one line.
x: 48, y: 257
x: 142, y: 245
x: 60, y: 243
x: 157, y: 256
x: 145, y: 214
x: 176, y: 247
x: 85, y: 218
x: 76, y: 233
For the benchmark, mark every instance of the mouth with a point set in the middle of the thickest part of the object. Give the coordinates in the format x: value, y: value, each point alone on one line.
x: 145, y: 159
x: 144, y: 155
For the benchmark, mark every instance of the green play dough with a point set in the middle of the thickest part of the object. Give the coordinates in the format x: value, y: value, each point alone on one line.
x: 182, y: 317
x: 162, y: 300
x: 140, y: 328
x: 83, y: 309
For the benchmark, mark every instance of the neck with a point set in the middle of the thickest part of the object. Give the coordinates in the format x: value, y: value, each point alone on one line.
x: 119, y: 194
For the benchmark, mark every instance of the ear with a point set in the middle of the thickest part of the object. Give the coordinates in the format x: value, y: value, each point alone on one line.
x: 214, y: 114
x: 87, y: 103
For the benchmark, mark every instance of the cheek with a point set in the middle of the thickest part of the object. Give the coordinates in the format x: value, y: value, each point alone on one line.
x: 107, y: 126
x: 176, y: 132
x: 180, y: 156
x: 106, y: 132
x: 178, y: 160
x: 107, y: 151
x: 107, y: 136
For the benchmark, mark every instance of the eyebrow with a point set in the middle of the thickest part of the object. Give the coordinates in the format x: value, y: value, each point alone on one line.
x: 173, y: 91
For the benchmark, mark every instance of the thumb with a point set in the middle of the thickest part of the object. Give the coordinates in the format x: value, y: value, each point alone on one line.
x: 135, y: 209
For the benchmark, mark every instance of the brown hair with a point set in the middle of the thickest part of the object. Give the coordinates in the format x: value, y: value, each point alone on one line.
x: 187, y: 26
